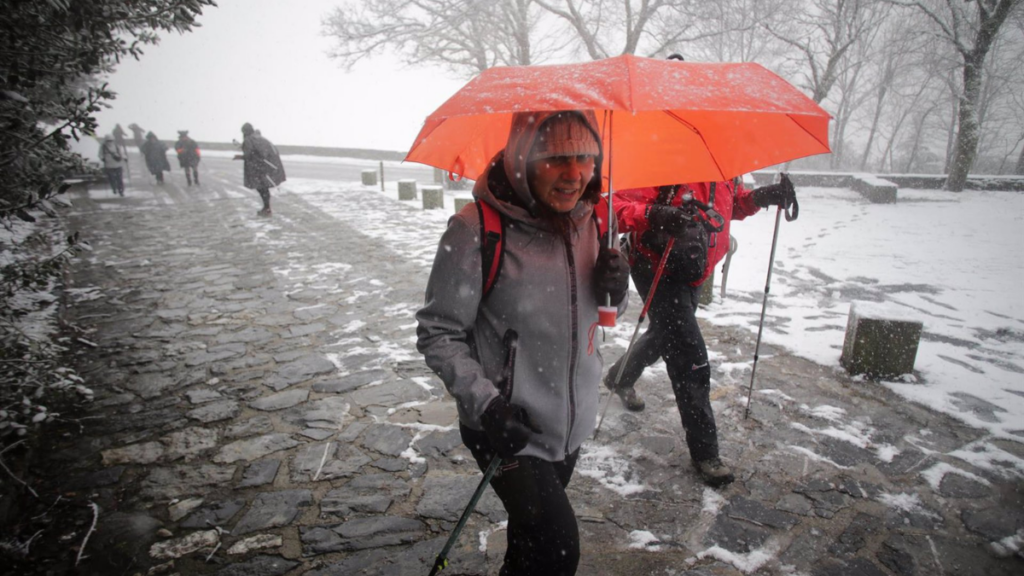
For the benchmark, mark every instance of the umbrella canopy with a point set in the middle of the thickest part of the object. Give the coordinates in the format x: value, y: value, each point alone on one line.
x: 662, y: 121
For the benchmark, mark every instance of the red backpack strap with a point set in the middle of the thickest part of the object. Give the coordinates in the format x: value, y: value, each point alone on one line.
x: 492, y: 231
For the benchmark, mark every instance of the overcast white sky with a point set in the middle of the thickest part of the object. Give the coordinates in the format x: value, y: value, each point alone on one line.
x: 265, y: 62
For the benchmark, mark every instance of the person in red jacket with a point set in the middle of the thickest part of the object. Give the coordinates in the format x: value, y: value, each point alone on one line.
x: 652, y: 216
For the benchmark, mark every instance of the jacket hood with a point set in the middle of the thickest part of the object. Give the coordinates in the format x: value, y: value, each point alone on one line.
x: 521, y: 137
x: 495, y: 188
x: 504, y: 183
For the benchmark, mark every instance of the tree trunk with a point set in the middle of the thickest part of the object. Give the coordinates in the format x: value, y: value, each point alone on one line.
x: 1019, y: 169
x: 918, y: 134
x: 874, y: 123
x: 966, y: 147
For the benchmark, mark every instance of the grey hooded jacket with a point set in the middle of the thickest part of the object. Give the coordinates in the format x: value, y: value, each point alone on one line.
x: 543, y: 292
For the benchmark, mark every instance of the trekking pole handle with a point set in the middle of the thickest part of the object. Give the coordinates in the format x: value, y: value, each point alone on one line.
x: 790, y: 216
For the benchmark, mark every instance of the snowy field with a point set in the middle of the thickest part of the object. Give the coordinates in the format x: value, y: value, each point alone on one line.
x: 952, y: 261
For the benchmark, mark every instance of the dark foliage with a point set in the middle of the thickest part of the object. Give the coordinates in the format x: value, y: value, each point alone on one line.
x: 51, y: 53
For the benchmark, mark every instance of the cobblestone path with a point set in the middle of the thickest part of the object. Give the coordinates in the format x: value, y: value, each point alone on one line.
x: 261, y: 410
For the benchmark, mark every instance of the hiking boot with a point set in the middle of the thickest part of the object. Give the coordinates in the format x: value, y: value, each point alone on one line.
x: 629, y: 397
x: 265, y: 213
x: 714, y: 472
x: 633, y: 402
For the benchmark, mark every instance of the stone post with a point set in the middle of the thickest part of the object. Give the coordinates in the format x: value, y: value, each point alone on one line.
x: 881, y: 340
x: 369, y: 177
x: 461, y: 202
x: 406, y: 189
x: 433, y: 197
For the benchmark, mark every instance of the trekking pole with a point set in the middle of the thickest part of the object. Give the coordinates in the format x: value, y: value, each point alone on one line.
x: 632, y: 340
x: 767, y: 285
x: 441, y: 562
x: 511, y: 341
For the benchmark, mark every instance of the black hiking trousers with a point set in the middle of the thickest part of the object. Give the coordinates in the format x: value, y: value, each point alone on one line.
x: 191, y: 174
x: 674, y: 335
x: 114, y: 176
x: 543, y: 538
x: 265, y: 196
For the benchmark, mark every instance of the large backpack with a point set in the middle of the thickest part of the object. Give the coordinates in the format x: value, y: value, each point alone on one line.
x: 492, y: 232
x: 689, y: 257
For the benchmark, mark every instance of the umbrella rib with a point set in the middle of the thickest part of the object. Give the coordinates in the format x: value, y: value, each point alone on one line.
x: 809, y: 133
x: 693, y: 128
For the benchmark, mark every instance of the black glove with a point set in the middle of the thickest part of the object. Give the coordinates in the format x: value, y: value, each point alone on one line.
x: 668, y: 219
x: 611, y: 275
x: 508, y: 427
x: 781, y: 194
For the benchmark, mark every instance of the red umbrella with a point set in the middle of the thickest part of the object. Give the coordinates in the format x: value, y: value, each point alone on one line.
x: 662, y: 121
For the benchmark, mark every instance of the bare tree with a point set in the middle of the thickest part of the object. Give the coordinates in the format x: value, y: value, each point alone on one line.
x: 466, y: 36
x: 733, y: 31
x: 999, y: 116
x: 823, y: 33
x: 652, y: 27
x: 897, y: 48
x: 971, y: 28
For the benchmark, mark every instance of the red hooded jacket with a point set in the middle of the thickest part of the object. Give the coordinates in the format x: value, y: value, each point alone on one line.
x: 733, y: 202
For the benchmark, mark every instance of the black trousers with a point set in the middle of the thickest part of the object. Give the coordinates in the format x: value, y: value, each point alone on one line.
x: 114, y: 175
x: 265, y: 195
x: 191, y: 174
x: 674, y: 335
x: 543, y: 538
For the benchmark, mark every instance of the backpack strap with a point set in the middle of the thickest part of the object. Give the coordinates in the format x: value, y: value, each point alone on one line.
x: 492, y: 245
x: 492, y: 231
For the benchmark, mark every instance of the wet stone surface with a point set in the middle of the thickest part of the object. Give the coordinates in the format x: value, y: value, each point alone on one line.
x: 252, y: 376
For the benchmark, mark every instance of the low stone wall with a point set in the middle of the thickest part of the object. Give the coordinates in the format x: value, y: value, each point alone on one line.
x: 920, y: 181
x: 877, y: 190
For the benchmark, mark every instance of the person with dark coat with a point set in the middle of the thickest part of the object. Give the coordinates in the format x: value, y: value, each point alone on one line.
x: 188, y: 156
x: 113, y: 163
x: 263, y: 169
x: 155, y: 153
x: 651, y: 216
x: 137, y: 135
x: 556, y: 270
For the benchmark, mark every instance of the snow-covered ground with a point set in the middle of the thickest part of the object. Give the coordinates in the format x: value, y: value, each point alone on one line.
x: 951, y: 260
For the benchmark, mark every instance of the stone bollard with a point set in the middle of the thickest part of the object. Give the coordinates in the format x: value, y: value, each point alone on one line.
x: 433, y: 197
x: 707, y: 290
x: 369, y: 177
x: 406, y: 189
x: 881, y: 340
x: 439, y: 176
x: 460, y: 203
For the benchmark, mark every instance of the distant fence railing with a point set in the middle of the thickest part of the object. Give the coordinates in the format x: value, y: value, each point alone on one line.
x: 364, y: 153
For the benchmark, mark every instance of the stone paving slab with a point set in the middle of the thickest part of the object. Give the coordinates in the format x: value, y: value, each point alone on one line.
x: 246, y: 379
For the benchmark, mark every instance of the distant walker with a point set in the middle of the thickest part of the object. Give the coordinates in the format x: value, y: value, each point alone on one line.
x: 263, y: 169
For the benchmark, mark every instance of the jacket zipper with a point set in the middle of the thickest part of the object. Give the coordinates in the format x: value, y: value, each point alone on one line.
x: 574, y: 342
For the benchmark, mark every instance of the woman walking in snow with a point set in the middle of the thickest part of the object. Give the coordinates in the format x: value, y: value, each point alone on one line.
x: 155, y: 152
x: 555, y: 268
